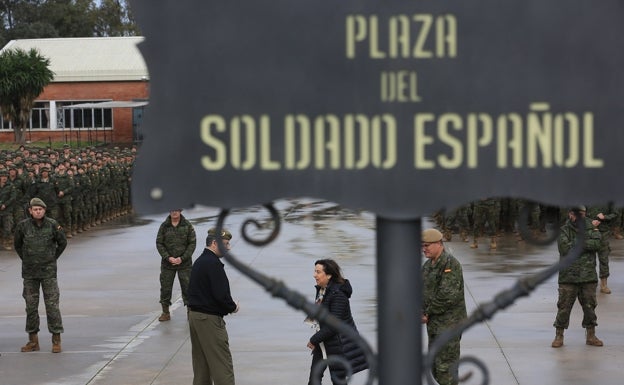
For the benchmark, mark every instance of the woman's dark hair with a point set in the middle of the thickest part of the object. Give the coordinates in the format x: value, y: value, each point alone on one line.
x: 331, y: 268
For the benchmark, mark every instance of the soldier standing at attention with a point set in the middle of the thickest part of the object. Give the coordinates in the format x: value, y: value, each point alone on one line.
x: 605, y: 215
x: 176, y: 241
x: 7, y: 201
x: 579, y: 280
x: 39, y: 241
x: 444, y: 303
x: 485, y: 211
x: 64, y: 186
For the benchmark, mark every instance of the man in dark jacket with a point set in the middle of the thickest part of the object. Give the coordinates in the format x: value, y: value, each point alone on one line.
x: 39, y: 241
x: 444, y: 303
x: 579, y: 280
x: 176, y: 241
x: 209, y: 300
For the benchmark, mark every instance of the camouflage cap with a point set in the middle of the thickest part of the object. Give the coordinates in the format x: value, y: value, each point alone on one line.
x: 37, y: 202
x: 578, y: 208
x: 431, y: 235
x: 212, y: 232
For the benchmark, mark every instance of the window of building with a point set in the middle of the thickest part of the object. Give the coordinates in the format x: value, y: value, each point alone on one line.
x: 82, y: 118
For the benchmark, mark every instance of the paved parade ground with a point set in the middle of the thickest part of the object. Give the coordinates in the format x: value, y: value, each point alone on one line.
x: 108, y: 279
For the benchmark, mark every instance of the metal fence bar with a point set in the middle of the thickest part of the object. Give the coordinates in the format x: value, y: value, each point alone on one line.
x: 399, y: 291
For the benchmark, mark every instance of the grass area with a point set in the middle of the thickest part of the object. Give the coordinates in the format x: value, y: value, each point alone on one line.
x: 58, y: 145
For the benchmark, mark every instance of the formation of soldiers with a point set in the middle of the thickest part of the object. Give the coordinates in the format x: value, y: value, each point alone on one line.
x: 82, y: 187
x: 491, y: 217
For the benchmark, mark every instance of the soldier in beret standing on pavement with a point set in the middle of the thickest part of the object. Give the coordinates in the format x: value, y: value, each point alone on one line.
x: 39, y: 241
x: 176, y: 241
x: 444, y: 303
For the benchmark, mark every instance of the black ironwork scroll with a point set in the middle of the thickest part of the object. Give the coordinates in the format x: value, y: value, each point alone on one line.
x: 296, y: 300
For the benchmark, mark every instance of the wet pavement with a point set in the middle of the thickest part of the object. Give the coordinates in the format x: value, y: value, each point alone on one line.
x: 109, y: 300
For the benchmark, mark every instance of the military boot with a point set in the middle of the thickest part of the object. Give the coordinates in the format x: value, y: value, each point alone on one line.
x: 617, y: 233
x: 8, y: 244
x: 474, y: 244
x: 493, y: 243
x: 165, y: 316
x: 33, y: 343
x: 603, y: 286
x: 558, y: 341
x: 590, y: 337
x: 464, y: 236
x: 448, y: 235
x: 56, y: 343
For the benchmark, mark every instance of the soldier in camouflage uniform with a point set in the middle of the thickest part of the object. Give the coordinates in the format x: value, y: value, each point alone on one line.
x: 44, y: 188
x: 7, y: 201
x: 39, y: 242
x: 605, y: 215
x: 96, y: 181
x: 579, y: 280
x: 19, y: 182
x: 175, y: 242
x: 64, y: 187
x: 460, y: 217
x: 444, y: 303
x: 485, y: 211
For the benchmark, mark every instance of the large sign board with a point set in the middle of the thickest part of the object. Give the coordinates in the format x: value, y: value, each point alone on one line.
x: 399, y: 107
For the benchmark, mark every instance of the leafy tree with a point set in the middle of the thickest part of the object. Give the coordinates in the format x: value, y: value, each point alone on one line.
x: 114, y: 18
x: 29, y: 19
x: 23, y: 76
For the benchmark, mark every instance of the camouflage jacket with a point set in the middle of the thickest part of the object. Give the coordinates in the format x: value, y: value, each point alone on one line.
x: 39, y: 246
x: 65, y: 184
x: 19, y: 185
x: 176, y: 241
x: 45, y: 190
x: 443, y: 295
x: 605, y: 224
x: 583, y: 269
x: 7, y: 198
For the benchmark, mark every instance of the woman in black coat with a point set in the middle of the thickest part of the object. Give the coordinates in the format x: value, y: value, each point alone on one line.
x: 333, y: 291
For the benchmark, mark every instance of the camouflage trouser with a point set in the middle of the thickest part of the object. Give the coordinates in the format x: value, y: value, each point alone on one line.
x: 53, y: 212
x: 125, y: 197
x: 6, y: 221
x: 78, y: 213
x: 19, y: 213
x: 65, y: 215
x: 603, y: 260
x: 51, y: 300
x: 483, y: 214
x: 533, y: 216
x: 167, y: 276
x: 459, y: 218
x: 568, y: 293
x: 445, y: 369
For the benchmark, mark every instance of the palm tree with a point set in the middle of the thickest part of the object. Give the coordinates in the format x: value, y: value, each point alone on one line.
x: 23, y: 76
